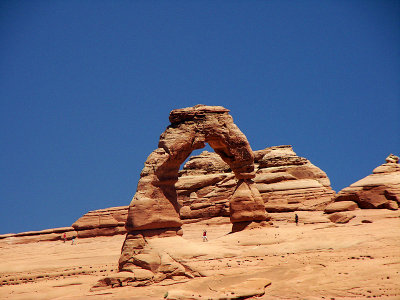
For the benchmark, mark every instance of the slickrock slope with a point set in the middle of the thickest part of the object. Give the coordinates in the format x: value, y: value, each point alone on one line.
x: 315, y: 260
x: 286, y: 182
x: 381, y: 189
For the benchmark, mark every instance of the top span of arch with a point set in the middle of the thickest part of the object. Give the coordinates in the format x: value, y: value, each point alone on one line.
x: 192, y: 127
x: 194, y: 113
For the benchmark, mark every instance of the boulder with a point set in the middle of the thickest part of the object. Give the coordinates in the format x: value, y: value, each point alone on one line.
x: 341, y: 206
x: 340, y: 218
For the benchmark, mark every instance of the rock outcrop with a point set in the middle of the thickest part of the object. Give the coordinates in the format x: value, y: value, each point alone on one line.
x: 381, y: 189
x: 102, y: 222
x: 341, y: 206
x: 286, y: 182
x: 53, y: 234
x: 340, y: 218
x: 155, y: 209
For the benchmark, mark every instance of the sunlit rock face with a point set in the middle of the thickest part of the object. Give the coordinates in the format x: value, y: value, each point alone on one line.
x: 286, y: 182
x: 155, y: 204
x: 381, y: 189
x: 102, y: 222
x: 155, y: 209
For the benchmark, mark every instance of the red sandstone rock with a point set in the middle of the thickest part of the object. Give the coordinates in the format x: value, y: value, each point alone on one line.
x: 52, y: 234
x: 283, y: 187
x: 246, y: 203
x: 341, y: 206
x: 102, y: 222
x: 108, y: 217
x: 155, y: 204
x: 340, y: 218
x: 381, y: 189
x: 205, y: 163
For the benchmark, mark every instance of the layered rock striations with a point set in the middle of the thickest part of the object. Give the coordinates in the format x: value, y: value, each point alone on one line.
x: 155, y: 204
x: 154, y: 210
x: 102, y: 222
x: 53, y: 234
x: 381, y: 189
x: 286, y: 182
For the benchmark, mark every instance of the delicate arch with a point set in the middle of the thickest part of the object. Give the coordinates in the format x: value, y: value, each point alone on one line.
x: 155, y: 204
x: 154, y: 209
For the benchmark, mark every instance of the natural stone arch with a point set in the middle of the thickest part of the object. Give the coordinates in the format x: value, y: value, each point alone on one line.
x: 155, y: 205
x: 154, y: 208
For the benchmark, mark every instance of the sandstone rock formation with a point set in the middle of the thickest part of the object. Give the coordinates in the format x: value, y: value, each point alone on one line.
x: 206, y: 183
x: 340, y: 217
x: 341, y: 206
x: 46, y: 235
x: 381, y: 189
x: 102, y: 222
x: 155, y: 207
x: 285, y: 181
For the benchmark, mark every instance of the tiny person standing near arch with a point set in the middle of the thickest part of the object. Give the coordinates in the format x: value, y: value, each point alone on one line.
x: 296, y: 219
x: 205, y: 236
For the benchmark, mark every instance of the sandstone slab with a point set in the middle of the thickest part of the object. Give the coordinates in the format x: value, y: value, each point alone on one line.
x: 341, y: 206
x: 381, y: 189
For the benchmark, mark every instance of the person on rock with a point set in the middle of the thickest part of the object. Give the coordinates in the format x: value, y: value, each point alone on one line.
x: 73, y: 240
x: 296, y: 219
x: 205, y: 236
x: 64, y: 237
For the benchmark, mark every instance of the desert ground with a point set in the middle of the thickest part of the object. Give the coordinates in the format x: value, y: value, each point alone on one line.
x: 315, y: 260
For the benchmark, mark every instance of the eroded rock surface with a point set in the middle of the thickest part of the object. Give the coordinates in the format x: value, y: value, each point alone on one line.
x: 286, y: 182
x: 381, y: 189
x: 102, y: 222
x: 155, y: 205
x: 46, y: 235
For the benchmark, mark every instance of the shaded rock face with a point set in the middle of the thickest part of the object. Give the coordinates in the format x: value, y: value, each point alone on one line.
x: 155, y: 205
x: 381, y: 189
x: 286, y: 182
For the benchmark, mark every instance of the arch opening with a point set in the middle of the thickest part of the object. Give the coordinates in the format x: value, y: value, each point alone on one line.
x: 154, y: 209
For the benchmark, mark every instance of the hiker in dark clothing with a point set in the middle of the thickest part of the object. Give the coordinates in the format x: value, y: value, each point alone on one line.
x: 296, y: 219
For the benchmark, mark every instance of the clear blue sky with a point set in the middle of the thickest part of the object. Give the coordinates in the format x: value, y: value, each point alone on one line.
x: 86, y: 88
